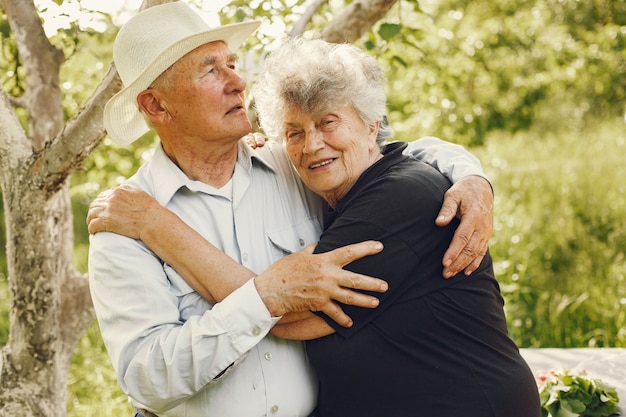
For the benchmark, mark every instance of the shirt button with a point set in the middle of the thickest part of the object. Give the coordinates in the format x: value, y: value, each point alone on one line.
x: 244, y: 257
x: 256, y: 330
x: 274, y: 409
x: 268, y: 356
x: 301, y: 241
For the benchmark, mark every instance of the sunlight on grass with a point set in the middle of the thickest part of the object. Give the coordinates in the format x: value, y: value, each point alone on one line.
x: 560, y: 238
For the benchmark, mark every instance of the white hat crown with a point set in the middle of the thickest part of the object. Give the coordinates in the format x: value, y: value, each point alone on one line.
x: 146, y: 46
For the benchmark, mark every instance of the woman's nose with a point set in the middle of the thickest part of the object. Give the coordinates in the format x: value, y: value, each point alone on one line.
x: 314, y: 141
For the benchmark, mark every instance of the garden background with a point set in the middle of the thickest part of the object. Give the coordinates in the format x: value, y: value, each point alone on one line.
x: 536, y: 89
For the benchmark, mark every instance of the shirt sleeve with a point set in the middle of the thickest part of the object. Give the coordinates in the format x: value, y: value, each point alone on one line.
x: 160, y: 357
x: 452, y: 160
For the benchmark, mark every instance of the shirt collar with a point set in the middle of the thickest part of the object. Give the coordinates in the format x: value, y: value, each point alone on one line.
x: 170, y: 178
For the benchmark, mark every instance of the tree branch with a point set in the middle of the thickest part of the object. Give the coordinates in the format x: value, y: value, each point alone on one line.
x: 80, y: 135
x: 41, y: 62
x: 356, y: 19
x: 298, y: 28
x: 14, y: 146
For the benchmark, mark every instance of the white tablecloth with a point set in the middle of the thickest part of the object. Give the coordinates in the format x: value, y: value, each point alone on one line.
x: 608, y: 364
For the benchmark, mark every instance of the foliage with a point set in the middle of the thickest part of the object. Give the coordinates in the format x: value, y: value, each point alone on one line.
x: 462, y: 69
x: 560, y: 240
x: 573, y: 393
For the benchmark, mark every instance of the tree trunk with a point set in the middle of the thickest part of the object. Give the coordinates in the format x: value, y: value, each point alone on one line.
x: 50, y: 305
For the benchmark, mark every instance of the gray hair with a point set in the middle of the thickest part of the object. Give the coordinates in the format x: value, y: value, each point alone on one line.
x: 314, y: 76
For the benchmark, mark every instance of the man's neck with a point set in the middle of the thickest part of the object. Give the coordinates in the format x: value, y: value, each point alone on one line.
x: 211, y: 164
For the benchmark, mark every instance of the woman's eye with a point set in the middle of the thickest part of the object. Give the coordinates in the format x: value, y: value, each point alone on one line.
x: 327, y: 123
x: 291, y: 136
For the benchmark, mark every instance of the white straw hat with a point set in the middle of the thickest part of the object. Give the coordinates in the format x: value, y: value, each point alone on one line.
x: 147, y: 45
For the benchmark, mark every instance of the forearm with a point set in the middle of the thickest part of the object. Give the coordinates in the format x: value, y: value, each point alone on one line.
x: 452, y: 160
x: 208, y: 270
x: 302, y: 326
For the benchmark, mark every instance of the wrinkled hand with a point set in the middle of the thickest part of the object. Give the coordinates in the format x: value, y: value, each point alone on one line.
x: 255, y: 140
x: 123, y: 210
x: 471, y: 199
x: 305, y: 281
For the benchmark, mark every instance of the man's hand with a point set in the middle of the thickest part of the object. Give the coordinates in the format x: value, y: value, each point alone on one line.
x: 123, y: 210
x: 471, y: 199
x: 306, y: 281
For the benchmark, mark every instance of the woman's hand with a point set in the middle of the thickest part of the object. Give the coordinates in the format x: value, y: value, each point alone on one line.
x: 255, y: 140
x: 123, y: 210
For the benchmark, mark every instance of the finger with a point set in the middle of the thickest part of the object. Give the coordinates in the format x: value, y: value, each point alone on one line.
x: 466, y: 262
x: 334, y: 311
x: 352, y: 280
x: 357, y: 299
x: 350, y: 253
x: 95, y: 209
x: 448, y: 210
x: 259, y: 139
x: 469, y: 259
x: 474, y: 265
x: 96, y: 225
x: 459, y: 242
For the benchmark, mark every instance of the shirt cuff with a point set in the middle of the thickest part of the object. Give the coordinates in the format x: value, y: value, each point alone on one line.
x: 244, y: 316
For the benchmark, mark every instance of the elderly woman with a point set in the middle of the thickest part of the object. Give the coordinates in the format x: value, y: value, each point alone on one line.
x: 435, y: 348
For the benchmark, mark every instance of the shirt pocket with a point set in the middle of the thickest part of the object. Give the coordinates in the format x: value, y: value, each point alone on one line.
x: 291, y: 238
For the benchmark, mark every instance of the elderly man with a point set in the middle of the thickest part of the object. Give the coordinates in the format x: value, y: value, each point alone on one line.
x: 175, y: 352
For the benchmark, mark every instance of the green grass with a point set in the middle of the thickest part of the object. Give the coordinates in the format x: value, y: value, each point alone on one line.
x: 560, y: 237
x: 559, y: 248
x: 93, y: 387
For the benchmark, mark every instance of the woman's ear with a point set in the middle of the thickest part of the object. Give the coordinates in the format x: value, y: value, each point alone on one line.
x: 150, y: 104
x: 373, y: 132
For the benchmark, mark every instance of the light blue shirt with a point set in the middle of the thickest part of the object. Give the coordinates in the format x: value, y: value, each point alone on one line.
x: 176, y: 354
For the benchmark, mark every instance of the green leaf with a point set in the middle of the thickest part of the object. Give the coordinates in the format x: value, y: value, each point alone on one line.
x: 389, y: 30
x: 563, y: 412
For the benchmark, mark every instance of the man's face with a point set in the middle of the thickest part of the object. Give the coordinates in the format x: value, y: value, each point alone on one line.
x: 204, y: 95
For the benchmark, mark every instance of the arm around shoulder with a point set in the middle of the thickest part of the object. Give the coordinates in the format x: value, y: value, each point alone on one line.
x: 452, y: 160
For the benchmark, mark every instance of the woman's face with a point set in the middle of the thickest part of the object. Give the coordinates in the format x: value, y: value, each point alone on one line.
x: 330, y: 151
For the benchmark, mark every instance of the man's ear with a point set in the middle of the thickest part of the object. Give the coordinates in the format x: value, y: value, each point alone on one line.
x: 150, y: 104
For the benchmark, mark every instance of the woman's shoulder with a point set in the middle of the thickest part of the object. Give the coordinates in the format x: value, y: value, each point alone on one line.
x: 410, y: 174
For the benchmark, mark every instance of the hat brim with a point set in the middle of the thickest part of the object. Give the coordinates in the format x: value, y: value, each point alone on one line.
x: 123, y: 120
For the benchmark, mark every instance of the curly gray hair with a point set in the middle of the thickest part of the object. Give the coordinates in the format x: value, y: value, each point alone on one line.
x: 315, y: 76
